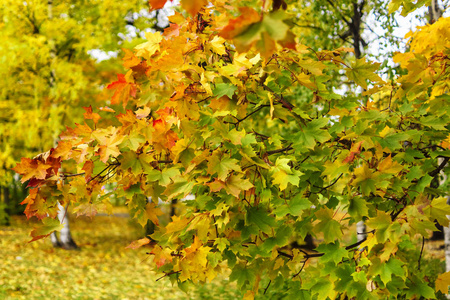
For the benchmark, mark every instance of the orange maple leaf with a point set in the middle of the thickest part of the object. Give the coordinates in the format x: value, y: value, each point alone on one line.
x: 123, y: 90
x: 236, y: 26
x: 157, y: 4
x: 31, y: 168
x: 130, y: 60
x: 91, y: 115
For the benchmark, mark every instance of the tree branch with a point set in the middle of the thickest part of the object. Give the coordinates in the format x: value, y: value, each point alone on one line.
x: 280, y: 150
x: 439, y: 168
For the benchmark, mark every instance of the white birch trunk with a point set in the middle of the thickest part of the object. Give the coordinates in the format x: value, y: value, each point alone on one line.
x: 442, y: 180
x: 65, y: 241
x: 361, y: 231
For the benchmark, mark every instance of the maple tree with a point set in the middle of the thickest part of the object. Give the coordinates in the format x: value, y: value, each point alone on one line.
x: 229, y: 105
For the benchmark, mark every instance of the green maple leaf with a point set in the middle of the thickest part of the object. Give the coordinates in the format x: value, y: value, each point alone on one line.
x: 416, y: 287
x: 334, y: 252
x: 242, y: 275
x: 361, y: 71
x: 386, y: 269
x: 325, y: 289
x: 179, y: 188
x: 358, y: 208
x: 294, y: 207
x: 311, y: 134
x: 222, y: 166
x: 261, y: 218
x: 330, y: 228
x: 392, y: 266
x: 224, y: 89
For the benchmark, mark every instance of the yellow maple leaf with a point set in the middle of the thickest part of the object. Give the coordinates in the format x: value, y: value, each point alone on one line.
x: 147, y: 49
x: 442, y: 283
x: 218, y: 46
x: 388, y: 166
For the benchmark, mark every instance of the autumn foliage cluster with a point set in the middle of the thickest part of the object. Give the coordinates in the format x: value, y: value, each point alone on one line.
x: 227, y: 104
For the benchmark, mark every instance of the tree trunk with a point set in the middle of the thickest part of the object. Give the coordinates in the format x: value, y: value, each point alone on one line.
x: 6, y: 204
x: 434, y: 12
x: 65, y: 241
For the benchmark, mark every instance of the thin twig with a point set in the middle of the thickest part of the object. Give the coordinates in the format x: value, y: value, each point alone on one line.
x: 265, y: 290
x: 301, y: 269
x: 71, y: 175
x: 421, y: 252
x: 168, y: 274
x: 280, y: 150
x: 333, y: 183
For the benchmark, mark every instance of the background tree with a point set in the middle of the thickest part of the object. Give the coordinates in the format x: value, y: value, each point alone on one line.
x: 214, y: 110
x: 49, y: 75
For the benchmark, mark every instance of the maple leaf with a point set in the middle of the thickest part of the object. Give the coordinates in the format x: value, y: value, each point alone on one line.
x: 356, y: 149
x: 49, y: 225
x: 439, y: 209
x: 222, y: 166
x: 31, y: 168
x: 217, y: 45
x: 108, y: 140
x: 151, y: 213
x: 193, y: 6
x: 362, y: 71
x: 86, y: 209
x: 388, y: 166
x: 236, y: 26
x: 139, y: 243
x: 157, y: 4
x: 63, y: 150
x: 235, y: 185
x: 124, y: 90
x: 91, y: 115
x: 442, y: 282
x: 147, y: 49
x: 130, y: 60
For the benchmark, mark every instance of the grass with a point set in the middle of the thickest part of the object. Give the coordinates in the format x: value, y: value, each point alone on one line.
x: 101, y: 269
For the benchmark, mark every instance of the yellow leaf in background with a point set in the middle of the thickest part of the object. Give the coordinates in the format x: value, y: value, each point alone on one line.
x: 218, y: 46
x: 147, y: 49
x: 442, y: 283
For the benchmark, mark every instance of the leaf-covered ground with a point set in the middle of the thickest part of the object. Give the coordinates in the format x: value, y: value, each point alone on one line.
x: 101, y: 269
